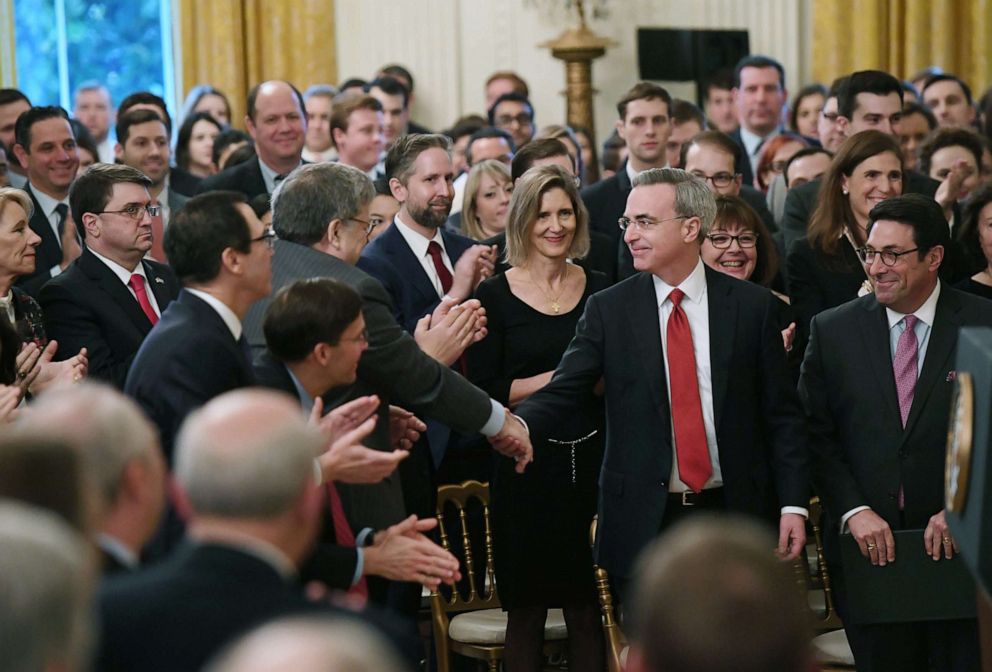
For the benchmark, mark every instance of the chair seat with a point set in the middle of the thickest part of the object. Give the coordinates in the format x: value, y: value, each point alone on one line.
x: 833, y: 648
x: 488, y: 626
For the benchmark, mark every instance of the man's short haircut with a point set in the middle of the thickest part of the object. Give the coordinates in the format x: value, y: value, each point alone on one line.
x: 352, y: 83
x: 199, y: 233
x: 133, y: 118
x: 564, y: 133
x: 950, y: 137
x: 519, y: 85
x: 692, y: 197
x: 910, y: 109
x: 404, y: 152
x: 48, y: 472
x: 758, y: 61
x: 874, y: 82
x: 253, y: 96
x: 91, y: 85
x: 920, y: 212
x: 643, y: 91
x: 525, y: 204
x: 714, y: 138
x: 93, y: 188
x: 225, y: 139
x: 944, y: 77
x: 682, y: 111
x: 747, y: 614
x: 397, y: 71
x: 515, y: 97
x: 306, y: 313
x: 242, y: 154
x: 391, y: 87
x: 837, y: 86
x: 801, y: 154
x: 261, y: 474
x: 535, y: 150
x: 10, y: 95
x: 487, y: 132
x: 321, y: 91
x: 345, y: 105
x: 721, y: 80
x: 28, y: 118
x: 46, y: 586
x: 146, y: 98
x: 306, y: 202
x: 84, y: 139
x: 381, y: 185
x: 465, y: 126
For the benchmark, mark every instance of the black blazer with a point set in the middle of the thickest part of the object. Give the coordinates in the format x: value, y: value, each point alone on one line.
x: 861, y: 453
x: 759, y: 423
x: 48, y: 253
x: 88, y: 306
x: 183, y: 183
x: 186, y: 360
x: 245, y: 177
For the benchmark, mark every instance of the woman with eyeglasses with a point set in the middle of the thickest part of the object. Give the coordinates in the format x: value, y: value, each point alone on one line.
x: 541, y: 518
x: 26, y: 354
x: 824, y: 269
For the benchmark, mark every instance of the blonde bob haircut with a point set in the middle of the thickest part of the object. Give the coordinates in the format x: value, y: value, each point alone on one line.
x: 12, y: 195
x: 525, y: 205
x: 471, y: 226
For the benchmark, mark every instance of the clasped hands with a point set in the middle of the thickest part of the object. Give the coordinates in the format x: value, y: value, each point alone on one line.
x: 513, y: 440
x: 444, y: 334
x: 874, y: 537
x: 36, y: 372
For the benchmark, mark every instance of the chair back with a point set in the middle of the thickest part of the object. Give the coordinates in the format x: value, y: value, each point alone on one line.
x: 828, y: 619
x: 616, y: 641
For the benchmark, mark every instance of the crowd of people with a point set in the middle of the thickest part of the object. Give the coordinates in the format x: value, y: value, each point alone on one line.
x: 237, y: 365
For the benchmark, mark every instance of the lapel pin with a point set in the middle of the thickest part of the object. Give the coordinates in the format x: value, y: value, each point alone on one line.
x: 160, y: 281
x: 951, y: 376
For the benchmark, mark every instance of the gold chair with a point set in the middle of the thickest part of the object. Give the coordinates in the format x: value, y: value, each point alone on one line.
x: 830, y: 645
x: 475, y: 625
x: 616, y: 641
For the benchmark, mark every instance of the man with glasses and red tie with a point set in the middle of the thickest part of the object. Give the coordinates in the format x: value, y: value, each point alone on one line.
x: 112, y: 295
x: 701, y: 411
x: 876, y: 382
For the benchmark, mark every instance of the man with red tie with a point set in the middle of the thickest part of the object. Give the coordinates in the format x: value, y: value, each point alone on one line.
x: 111, y: 296
x: 701, y: 413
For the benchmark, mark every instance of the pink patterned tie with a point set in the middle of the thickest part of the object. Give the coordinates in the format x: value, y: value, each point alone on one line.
x: 905, y: 366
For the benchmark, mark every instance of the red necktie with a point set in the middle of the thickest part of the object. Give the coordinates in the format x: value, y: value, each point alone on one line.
x: 443, y: 274
x: 137, y: 283
x: 343, y: 534
x: 158, y: 239
x: 687, y: 411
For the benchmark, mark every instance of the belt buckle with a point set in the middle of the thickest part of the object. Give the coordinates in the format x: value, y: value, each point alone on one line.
x: 687, y: 496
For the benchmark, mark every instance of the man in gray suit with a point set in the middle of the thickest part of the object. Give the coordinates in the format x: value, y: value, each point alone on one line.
x: 320, y: 214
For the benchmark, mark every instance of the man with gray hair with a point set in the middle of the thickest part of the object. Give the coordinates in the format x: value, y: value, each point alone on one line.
x: 245, y: 483
x: 45, y: 590
x: 685, y: 435
x: 121, y: 451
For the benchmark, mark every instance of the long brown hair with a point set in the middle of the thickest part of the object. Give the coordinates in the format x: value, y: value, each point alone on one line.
x: 833, y: 214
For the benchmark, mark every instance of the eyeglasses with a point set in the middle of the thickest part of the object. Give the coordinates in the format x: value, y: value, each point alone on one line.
x: 361, y: 338
x: 269, y: 237
x: 722, y: 241
x: 645, y: 223
x: 719, y: 180
x: 889, y: 258
x: 135, y: 211
x: 368, y: 225
x: 522, y: 119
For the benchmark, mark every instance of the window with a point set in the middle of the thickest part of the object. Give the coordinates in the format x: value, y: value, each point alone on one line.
x: 124, y: 44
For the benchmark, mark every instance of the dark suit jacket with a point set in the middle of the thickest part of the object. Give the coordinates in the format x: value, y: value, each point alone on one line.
x: 48, y: 253
x: 758, y: 420
x: 606, y: 200
x: 861, y: 453
x: 186, y: 360
x: 183, y: 183
x: 88, y: 306
x: 245, y: 177
x: 176, y: 615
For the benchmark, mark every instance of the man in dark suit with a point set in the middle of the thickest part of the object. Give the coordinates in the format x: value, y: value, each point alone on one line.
x: 222, y: 254
x: 877, y: 382
x: 244, y: 469
x: 277, y: 123
x: 759, y: 96
x: 730, y: 433
x: 111, y: 296
x: 46, y: 147
x: 645, y: 125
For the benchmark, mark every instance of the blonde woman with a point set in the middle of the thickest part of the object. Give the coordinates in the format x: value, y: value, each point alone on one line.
x: 487, y: 200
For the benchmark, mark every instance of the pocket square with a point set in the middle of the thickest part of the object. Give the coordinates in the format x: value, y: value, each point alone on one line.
x: 951, y: 376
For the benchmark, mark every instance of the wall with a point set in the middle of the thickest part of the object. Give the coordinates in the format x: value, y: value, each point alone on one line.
x: 451, y: 46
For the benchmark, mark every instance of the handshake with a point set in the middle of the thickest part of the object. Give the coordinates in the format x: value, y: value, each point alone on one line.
x: 513, y: 440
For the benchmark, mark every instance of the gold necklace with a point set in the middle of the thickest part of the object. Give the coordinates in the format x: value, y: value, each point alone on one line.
x: 552, y: 299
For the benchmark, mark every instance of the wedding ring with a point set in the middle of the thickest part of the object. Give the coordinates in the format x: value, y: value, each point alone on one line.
x: 22, y: 375
x: 77, y: 378
x: 871, y: 546
x: 947, y: 540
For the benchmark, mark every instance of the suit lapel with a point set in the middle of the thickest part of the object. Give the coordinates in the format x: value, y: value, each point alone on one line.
x: 407, y: 263
x: 50, y: 249
x: 943, y: 338
x: 723, y: 325
x: 645, y: 325
x: 118, y: 292
x: 874, y: 329
x: 159, y: 287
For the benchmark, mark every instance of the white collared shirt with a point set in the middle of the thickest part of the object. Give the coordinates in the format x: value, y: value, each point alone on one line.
x: 753, y: 144
x: 116, y: 549
x: 48, y: 205
x: 696, y: 307
x: 222, y: 309
x: 105, y: 151
x: 124, y: 276
x: 163, y: 201
x: 269, y: 176
x: 418, y: 244
x: 631, y: 173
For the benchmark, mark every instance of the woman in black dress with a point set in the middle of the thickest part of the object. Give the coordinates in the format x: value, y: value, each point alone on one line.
x: 976, y: 237
x: 541, y: 518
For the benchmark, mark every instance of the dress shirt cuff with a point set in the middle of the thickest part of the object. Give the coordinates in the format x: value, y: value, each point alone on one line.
x: 318, y: 473
x: 796, y: 509
x: 55, y: 270
x: 496, y: 419
x: 359, y: 566
x: 847, y: 516
x: 365, y: 538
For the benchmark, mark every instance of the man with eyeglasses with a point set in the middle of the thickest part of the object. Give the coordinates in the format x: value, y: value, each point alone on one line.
x: 112, y: 295
x: 514, y: 113
x: 876, y: 385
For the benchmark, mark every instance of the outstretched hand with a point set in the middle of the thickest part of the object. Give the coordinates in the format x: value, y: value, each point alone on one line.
x: 513, y: 440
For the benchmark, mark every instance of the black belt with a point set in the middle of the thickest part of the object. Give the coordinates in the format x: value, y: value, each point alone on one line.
x: 706, y: 498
